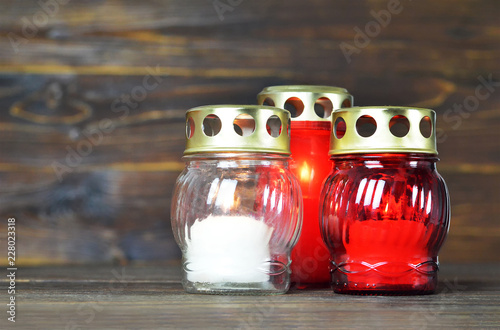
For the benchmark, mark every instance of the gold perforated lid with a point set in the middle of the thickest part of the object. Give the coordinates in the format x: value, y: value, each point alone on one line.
x: 306, y: 103
x: 237, y: 128
x: 383, y: 130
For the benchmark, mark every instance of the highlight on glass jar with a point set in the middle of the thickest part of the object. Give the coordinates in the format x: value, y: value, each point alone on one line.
x: 385, y: 210
x: 311, y: 108
x: 237, y: 209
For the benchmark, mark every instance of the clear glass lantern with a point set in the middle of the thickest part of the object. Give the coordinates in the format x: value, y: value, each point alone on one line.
x: 385, y: 209
x: 237, y: 209
x: 311, y: 108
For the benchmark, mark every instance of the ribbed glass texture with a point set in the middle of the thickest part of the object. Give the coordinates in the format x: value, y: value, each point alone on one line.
x: 384, y: 218
x: 236, y: 217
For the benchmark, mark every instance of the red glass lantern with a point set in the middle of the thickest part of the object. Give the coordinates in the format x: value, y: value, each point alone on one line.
x: 311, y: 108
x: 384, y: 208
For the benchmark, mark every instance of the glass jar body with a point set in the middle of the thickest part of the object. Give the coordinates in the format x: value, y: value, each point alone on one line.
x: 309, y: 144
x: 236, y: 218
x: 384, y: 218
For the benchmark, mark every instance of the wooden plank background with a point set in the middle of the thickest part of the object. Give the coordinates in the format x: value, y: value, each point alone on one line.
x: 111, y: 80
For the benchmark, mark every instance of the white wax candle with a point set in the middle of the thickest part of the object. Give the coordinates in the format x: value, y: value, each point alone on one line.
x: 228, y: 249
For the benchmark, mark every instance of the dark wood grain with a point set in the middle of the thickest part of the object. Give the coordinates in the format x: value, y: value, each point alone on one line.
x: 150, y: 296
x: 69, y: 76
x: 268, y: 36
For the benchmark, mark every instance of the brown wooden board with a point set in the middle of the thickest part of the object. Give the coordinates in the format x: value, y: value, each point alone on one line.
x: 147, y: 296
x: 138, y: 66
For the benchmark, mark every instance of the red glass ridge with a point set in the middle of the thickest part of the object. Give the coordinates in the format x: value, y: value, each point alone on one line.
x: 384, y: 218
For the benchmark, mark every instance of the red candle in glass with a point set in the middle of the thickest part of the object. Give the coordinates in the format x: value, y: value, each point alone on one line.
x: 384, y: 208
x: 311, y: 108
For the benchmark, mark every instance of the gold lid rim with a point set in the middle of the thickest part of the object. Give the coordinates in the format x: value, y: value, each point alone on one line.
x: 385, y: 151
x: 251, y: 107
x: 383, y: 139
x: 382, y: 107
x: 306, y: 97
x: 193, y: 151
x: 304, y: 88
x: 269, y: 133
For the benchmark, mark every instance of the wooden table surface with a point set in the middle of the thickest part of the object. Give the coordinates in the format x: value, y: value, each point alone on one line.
x: 151, y: 297
x: 86, y: 65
